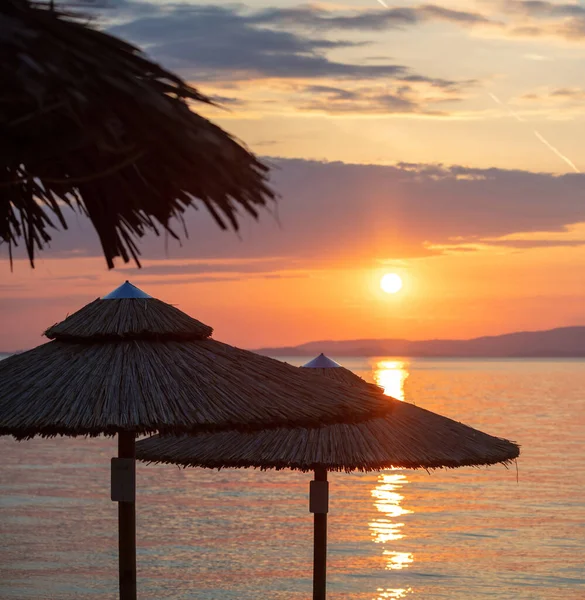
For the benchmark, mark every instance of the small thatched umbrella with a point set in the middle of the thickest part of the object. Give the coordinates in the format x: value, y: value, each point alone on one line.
x: 129, y: 364
x: 326, y: 366
x: 409, y: 437
x: 87, y: 121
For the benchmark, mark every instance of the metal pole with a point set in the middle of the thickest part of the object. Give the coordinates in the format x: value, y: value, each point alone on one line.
x: 127, y: 515
x: 319, y: 505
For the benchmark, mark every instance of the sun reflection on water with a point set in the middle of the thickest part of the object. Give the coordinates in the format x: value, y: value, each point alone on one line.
x: 398, y: 560
x: 388, y: 529
x: 391, y: 375
x: 393, y: 594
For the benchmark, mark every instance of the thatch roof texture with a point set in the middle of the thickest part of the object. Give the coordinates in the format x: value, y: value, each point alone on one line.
x: 122, y: 316
x: 327, y: 367
x: 86, y: 120
x: 158, y: 370
x: 409, y: 437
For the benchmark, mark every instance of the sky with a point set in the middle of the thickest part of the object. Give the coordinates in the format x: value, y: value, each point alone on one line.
x: 442, y: 142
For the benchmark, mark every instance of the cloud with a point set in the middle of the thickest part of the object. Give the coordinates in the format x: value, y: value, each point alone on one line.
x: 397, y: 98
x: 549, y: 19
x: 572, y: 30
x: 337, y: 213
x: 179, y: 33
x: 542, y: 9
x: 444, y: 84
x: 568, y: 93
x: 229, y: 43
x: 333, y: 93
x: 558, y: 104
x: 138, y: 279
x: 456, y: 16
x: 535, y: 243
x: 76, y: 278
x: 215, y: 43
x: 286, y: 49
x: 227, y: 100
x: 237, y: 267
x: 476, y: 245
x: 367, y: 20
x: 404, y: 94
x: 144, y: 279
x: 12, y: 287
x: 564, y: 95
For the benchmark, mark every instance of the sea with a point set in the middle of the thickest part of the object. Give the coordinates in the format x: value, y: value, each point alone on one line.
x: 510, y: 533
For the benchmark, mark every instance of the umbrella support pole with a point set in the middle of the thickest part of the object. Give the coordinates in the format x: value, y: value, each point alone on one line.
x: 319, y: 506
x: 124, y: 492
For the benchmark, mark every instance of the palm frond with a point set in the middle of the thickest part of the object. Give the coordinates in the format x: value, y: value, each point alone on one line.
x: 87, y: 121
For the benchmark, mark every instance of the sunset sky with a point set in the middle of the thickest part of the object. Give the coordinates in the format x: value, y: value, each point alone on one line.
x: 442, y: 142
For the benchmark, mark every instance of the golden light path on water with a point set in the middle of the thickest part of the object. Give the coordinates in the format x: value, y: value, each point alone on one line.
x: 387, y: 529
x: 391, y: 375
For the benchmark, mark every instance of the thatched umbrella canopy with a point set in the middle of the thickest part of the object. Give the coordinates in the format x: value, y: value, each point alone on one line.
x: 323, y: 365
x: 87, y: 121
x: 129, y: 363
x: 409, y: 437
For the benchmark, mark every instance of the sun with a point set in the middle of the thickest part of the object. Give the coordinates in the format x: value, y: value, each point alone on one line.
x: 391, y: 283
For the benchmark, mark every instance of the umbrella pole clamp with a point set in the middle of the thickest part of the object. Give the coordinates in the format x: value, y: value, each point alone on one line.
x: 124, y: 493
x: 319, y: 506
x: 123, y: 480
x: 319, y: 497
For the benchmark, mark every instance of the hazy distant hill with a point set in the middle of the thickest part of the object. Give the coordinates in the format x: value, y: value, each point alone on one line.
x: 561, y: 342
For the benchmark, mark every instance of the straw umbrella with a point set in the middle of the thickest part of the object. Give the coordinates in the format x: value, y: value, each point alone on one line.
x: 87, y: 121
x: 130, y: 364
x: 323, y: 365
x: 409, y: 437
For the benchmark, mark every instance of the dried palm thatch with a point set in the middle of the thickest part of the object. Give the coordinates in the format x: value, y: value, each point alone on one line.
x: 138, y: 364
x: 327, y: 367
x: 87, y: 121
x: 127, y: 319
x: 409, y: 437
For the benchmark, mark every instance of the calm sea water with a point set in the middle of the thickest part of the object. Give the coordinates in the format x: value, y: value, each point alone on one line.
x: 464, y: 534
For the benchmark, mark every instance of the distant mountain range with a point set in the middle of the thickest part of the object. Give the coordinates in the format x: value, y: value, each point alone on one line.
x: 554, y: 343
